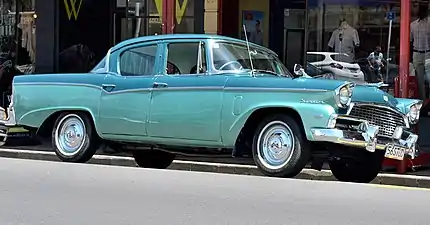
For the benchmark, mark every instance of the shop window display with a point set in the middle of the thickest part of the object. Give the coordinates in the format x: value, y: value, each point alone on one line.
x: 17, y: 42
x: 359, y: 37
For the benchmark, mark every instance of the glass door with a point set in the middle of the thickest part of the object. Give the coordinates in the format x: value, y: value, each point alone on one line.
x: 294, y: 37
x: 136, y: 18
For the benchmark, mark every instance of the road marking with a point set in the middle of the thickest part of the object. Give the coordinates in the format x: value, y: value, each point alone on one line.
x: 399, y: 187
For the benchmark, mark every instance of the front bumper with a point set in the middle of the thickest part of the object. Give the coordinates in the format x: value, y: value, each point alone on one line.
x: 359, y: 133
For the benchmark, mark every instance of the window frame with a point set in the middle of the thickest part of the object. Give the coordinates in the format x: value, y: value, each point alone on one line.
x: 158, y: 55
x: 165, y: 57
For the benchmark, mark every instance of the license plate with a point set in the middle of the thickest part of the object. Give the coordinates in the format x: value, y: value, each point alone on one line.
x: 395, y: 152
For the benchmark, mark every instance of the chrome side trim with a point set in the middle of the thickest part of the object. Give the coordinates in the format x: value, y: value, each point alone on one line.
x: 177, y: 88
x: 274, y: 89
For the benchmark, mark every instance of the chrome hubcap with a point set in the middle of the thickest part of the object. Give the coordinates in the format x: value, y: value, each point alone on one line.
x: 70, y: 135
x: 275, y: 145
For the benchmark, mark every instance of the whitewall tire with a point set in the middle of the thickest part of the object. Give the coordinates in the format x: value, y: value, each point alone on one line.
x: 74, y: 138
x: 279, y: 147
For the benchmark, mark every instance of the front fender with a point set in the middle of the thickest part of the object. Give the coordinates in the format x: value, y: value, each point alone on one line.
x: 404, y: 104
x: 312, y: 115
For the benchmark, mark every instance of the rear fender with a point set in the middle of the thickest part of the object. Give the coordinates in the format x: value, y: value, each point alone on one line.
x: 36, y: 118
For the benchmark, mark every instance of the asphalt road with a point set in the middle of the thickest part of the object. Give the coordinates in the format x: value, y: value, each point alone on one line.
x: 41, y: 192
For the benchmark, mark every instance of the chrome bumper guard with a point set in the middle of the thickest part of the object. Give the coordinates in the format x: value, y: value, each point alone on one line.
x: 359, y: 133
x: 7, y: 120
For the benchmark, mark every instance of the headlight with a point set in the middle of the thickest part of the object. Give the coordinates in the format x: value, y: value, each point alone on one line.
x: 414, y: 112
x: 343, y: 95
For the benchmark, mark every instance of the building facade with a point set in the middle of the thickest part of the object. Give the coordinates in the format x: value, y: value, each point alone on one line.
x: 99, y: 24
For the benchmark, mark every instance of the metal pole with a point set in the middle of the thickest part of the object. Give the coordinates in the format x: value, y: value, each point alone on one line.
x: 305, y: 49
x: 405, y: 19
x: 126, y: 19
x: 17, y: 18
x: 388, y: 48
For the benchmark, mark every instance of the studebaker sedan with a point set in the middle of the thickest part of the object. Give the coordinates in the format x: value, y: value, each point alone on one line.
x: 165, y: 94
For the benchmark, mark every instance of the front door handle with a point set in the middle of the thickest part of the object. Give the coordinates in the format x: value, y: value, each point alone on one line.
x: 159, y: 85
x: 108, y: 87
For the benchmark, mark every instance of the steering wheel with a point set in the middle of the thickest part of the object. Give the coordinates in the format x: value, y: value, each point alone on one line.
x: 230, y: 63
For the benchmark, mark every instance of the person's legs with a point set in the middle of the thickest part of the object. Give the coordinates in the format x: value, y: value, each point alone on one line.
x: 418, y: 61
x: 378, y: 73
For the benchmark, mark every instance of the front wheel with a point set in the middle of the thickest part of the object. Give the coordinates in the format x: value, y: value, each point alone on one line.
x: 279, y: 147
x: 154, y: 159
x: 362, y: 169
x: 74, y: 138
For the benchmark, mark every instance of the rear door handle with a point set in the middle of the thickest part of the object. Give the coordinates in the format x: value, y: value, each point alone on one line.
x: 159, y: 85
x: 108, y: 87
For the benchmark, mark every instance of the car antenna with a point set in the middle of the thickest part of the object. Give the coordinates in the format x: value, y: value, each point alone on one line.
x: 249, y: 51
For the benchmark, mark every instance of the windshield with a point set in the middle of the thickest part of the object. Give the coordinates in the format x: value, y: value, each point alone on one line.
x: 234, y: 56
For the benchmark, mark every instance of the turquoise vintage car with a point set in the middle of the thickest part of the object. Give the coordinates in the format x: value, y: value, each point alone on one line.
x: 165, y: 94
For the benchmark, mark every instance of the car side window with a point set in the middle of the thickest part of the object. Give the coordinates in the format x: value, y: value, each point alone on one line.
x: 315, y: 58
x: 139, y: 61
x: 186, y: 58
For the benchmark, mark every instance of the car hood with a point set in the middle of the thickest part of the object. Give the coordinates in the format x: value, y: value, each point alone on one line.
x: 374, y: 95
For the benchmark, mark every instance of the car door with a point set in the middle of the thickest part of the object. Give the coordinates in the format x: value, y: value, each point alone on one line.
x: 126, y: 94
x: 186, y: 102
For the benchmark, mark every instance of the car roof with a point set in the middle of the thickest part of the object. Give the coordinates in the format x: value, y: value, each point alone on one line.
x: 184, y: 36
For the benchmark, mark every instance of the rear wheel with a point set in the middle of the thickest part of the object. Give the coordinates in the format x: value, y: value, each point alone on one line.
x: 74, y: 138
x: 279, y: 147
x: 361, y: 169
x: 154, y: 159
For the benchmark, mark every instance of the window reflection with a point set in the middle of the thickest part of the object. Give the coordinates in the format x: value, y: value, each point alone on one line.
x: 185, y: 13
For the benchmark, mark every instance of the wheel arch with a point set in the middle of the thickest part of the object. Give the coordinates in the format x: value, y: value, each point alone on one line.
x: 307, y: 116
x: 257, y: 115
x: 45, y: 129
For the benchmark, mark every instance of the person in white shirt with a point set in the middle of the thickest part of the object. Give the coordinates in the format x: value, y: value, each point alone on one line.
x: 375, y: 60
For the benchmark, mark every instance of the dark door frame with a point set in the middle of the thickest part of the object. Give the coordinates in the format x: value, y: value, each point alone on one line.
x: 276, y: 25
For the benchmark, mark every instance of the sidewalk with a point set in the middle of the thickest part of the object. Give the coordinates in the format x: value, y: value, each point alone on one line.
x: 227, y: 168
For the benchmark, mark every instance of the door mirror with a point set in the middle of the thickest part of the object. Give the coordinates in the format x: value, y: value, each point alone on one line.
x: 298, y: 70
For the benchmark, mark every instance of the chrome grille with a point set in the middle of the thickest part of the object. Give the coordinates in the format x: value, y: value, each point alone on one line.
x: 386, y: 118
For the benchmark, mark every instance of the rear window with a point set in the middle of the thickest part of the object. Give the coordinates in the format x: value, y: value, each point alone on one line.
x: 315, y: 58
x: 99, y: 66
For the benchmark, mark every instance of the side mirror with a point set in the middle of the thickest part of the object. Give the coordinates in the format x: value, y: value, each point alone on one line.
x: 298, y: 69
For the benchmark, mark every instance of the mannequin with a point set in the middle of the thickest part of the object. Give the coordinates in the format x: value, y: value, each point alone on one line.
x: 27, y: 26
x: 344, y: 40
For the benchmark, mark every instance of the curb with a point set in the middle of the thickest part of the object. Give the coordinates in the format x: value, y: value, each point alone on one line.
x: 307, y: 174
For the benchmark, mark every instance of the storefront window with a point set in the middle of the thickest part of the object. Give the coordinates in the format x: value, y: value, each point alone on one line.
x: 352, y: 41
x: 144, y: 18
x: 184, y: 16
